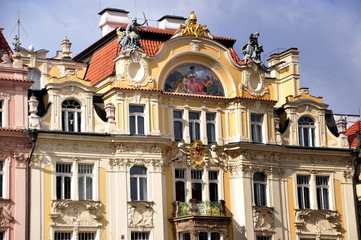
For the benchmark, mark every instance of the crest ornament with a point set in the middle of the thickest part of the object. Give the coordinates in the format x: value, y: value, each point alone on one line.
x: 197, y: 154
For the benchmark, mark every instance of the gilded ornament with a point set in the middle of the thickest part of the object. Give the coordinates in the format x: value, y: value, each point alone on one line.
x: 193, y: 28
x: 197, y: 153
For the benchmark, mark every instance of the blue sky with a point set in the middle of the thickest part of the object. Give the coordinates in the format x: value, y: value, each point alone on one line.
x: 327, y: 32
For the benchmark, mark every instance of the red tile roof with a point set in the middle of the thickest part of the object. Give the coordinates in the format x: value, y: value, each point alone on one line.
x: 102, y: 65
x: 16, y: 79
x: 351, y: 134
x: 5, y: 46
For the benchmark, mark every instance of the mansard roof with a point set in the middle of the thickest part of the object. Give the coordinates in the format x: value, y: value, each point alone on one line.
x: 100, y: 55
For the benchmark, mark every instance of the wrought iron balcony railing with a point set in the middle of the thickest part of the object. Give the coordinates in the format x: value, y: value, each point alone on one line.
x: 198, y: 208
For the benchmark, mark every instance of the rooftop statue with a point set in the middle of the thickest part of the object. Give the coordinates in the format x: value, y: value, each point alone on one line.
x: 194, y: 28
x: 252, y: 50
x: 129, y: 39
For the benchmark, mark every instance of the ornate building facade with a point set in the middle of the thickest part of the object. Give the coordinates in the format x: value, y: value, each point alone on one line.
x: 165, y: 133
x: 15, y: 145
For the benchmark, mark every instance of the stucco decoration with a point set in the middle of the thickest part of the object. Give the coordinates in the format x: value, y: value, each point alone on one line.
x: 21, y: 159
x: 140, y: 214
x: 263, y: 218
x: 254, y: 81
x: 85, y: 213
x: 193, y: 79
x: 318, y: 221
x: 5, y: 215
x: 199, y: 156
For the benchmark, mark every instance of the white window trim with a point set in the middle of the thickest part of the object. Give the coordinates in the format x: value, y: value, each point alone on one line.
x: 144, y: 115
x: 5, y: 97
x: 6, y: 177
x: 149, y: 178
x: 180, y: 120
x: 262, y: 124
x: 309, y: 127
x: 81, y: 111
x: 267, y: 183
x: 74, y: 194
x: 74, y: 230
x: 313, y: 193
x: 205, y: 182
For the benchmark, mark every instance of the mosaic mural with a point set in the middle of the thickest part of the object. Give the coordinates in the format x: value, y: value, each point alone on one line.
x: 194, y: 79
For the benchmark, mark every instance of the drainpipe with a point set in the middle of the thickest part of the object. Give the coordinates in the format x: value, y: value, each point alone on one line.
x: 33, y: 134
x: 357, y: 166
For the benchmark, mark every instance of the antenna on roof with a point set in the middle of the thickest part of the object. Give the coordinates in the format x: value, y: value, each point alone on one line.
x: 17, y: 37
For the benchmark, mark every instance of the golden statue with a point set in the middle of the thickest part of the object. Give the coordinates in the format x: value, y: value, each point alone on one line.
x: 194, y: 28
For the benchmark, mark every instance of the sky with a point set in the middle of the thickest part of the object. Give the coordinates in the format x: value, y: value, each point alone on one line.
x: 326, y: 32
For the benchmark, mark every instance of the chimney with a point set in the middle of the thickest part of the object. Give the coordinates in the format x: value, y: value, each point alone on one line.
x: 111, y: 18
x: 171, y: 22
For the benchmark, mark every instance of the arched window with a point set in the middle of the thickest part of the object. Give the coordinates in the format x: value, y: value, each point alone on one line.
x: 259, y: 189
x: 71, y: 116
x: 138, y: 183
x: 306, y: 132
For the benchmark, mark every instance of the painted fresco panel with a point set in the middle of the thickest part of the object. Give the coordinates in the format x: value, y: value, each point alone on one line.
x: 194, y: 79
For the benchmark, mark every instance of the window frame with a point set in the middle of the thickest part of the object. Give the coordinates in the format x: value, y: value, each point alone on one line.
x: 5, y: 99
x: 147, y: 237
x: 325, y: 200
x: 84, y: 195
x: 77, y: 117
x: 194, y: 123
x: 63, y: 176
x: 257, y: 128
x: 137, y: 116
x: 258, y: 191
x: 138, y: 177
x: 309, y: 128
x: 181, y: 122
x: 209, y: 124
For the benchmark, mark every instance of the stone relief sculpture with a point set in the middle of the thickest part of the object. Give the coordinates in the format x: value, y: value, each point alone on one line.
x: 129, y: 39
x: 140, y: 215
x: 181, y: 155
x: 252, y: 50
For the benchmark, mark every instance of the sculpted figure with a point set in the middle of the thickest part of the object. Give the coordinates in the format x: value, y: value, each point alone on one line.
x: 181, y: 155
x: 129, y: 39
x: 252, y: 50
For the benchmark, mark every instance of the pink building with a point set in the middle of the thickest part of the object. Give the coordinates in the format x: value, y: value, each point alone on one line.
x: 15, y: 144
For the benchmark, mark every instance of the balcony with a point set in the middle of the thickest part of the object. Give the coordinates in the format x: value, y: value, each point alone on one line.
x: 199, y: 216
x: 198, y: 208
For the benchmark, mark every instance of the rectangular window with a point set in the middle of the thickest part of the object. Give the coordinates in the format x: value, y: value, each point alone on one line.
x: 322, y: 192
x: 140, y: 236
x: 256, y: 127
x: 197, y: 185
x: 213, y: 186
x: 303, y: 191
x: 178, y: 125
x: 194, y: 126
x: 63, y: 181
x: 2, y: 179
x: 138, y: 183
x: 263, y: 238
x: 1, y: 113
x: 62, y: 236
x: 209, y: 236
x: 185, y: 236
x: 85, y: 181
x: 86, y: 236
x: 136, y: 120
x: 211, y: 127
x: 180, y: 185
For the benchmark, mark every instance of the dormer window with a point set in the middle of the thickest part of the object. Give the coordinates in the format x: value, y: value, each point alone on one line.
x: 306, y: 131
x: 71, y: 116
